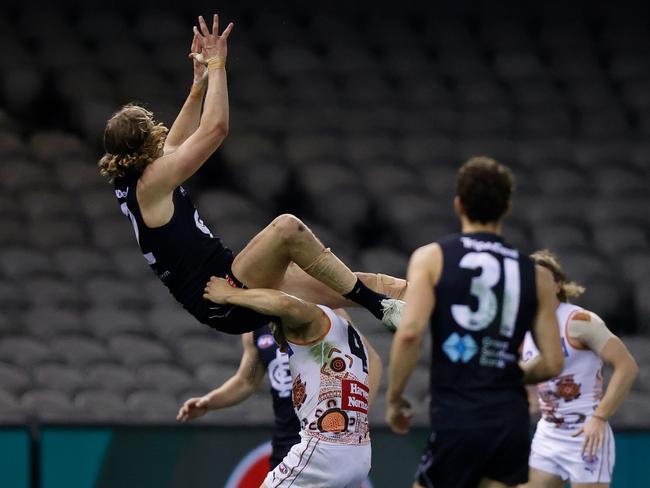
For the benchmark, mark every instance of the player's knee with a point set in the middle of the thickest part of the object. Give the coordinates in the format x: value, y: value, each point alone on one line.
x: 288, y: 226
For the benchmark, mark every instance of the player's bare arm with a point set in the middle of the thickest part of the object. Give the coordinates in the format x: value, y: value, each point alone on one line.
x: 423, y: 272
x: 588, y: 331
x: 160, y: 178
x: 235, y: 390
x: 550, y: 361
x: 296, y: 316
x: 189, y: 117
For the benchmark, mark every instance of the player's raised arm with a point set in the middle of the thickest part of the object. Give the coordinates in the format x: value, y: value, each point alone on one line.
x: 173, y: 169
x: 235, y: 390
x: 423, y: 271
x: 189, y: 117
x: 292, y: 312
x: 550, y: 361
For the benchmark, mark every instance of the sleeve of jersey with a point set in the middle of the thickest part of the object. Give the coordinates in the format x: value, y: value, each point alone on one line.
x: 590, y: 330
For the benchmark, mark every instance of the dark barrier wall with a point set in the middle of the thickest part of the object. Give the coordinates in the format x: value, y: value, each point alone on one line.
x: 174, y: 457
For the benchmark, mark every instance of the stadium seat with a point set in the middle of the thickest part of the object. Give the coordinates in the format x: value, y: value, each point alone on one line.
x: 165, y: 377
x: 111, y: 377
x: 105, y: 322
x: 102, y: 405
x: 58, y: 377
x: 135, y: 350
x: 196, y: 351
x: 24, y: 350
x: 13, y: 379
x: 79, y: 350
x: 153, y: 405
x: 49, y: 321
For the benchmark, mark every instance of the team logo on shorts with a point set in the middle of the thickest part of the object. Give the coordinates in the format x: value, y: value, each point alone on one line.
x: 283, y: 468
x: 265, y: 341
x: 591, y: 462
x: 299, y: 392
x: 333, y: 420
x: 567, y: 388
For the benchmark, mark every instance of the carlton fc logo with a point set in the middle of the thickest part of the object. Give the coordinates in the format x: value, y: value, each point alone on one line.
x: 265, y: 341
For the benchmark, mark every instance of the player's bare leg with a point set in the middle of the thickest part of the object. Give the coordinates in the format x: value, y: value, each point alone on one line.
x: 542, y: 479
x: 589, y: 485
x: 298, y: 283
x: 264, y: 262
x: 487, y: 483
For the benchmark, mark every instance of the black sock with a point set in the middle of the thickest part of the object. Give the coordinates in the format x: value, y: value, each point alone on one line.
x: 367, y: 298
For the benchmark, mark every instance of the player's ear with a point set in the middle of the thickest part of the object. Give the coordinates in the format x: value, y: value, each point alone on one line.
x: 508, y: 209
x: 458, y: 206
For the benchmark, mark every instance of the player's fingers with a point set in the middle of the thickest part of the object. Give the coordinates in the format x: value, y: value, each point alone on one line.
x: 215, y: 24
x: 198, y: 35
x: 227, y: 30
x: 578, y: 432
x: 203, y: 26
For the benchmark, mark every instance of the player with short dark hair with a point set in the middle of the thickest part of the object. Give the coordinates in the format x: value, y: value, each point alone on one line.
x: 480, y: 296
x: 148, y: 167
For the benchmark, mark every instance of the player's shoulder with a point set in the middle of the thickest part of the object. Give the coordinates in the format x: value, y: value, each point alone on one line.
x: 583, y: 316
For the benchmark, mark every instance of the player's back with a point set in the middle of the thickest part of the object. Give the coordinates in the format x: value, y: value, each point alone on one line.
x: 183, y: 252
x: 486, y: 300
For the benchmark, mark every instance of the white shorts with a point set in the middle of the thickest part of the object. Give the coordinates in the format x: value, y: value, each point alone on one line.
x: 314, y: 463
x: 555, y: 451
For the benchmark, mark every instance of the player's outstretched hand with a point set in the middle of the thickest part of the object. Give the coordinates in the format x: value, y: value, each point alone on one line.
x: 200, y: 70
x: 594, y: 432
x: 217, y: 290
x: 193, y: 409
x: 212, y: 44
x: 399, y: 416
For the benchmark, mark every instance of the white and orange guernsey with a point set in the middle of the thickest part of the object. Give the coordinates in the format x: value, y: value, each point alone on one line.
x: 330, y: 397
x: 569, y: 400
x: 330, y: 386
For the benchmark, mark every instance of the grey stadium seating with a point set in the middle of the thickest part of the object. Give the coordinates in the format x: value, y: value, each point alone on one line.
x: 360, y: 134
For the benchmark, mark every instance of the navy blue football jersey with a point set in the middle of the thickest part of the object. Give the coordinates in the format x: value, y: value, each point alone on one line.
x: 486, y: 300
x: 286, y: 431
x: 183, y: 253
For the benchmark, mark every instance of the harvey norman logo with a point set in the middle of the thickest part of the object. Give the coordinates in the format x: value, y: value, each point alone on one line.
x: 354, y: 396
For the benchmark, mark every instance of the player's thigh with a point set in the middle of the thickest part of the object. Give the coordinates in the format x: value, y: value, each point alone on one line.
x: 488, y: 483
x: 417, y: 485
x: 541, y: 479
x: 300, y: 284
x: 264, y: 260
x: 589, y: 485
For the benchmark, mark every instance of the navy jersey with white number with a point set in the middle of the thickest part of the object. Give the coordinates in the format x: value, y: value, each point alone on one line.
x: 486, y: 300
x: 183, y: 253
x: 286, y: 429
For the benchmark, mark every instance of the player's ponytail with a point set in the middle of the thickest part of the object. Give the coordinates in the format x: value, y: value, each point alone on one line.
x: 132, y: 140
x: 569, y: 290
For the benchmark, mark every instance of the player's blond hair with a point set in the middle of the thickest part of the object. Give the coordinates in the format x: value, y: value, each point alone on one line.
x: 132, y: 140
x: 568, y: 289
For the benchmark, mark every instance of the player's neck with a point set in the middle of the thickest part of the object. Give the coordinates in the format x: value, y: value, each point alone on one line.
x: 310, y: 333
x: 472, y: 227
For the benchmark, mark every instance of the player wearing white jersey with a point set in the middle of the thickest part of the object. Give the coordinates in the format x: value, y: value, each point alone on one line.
x: 574, y: 440
x: 334, y: 378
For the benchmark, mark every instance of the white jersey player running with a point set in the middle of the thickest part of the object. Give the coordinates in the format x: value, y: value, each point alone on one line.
x: 574, y: 441
x: 334, y: 373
